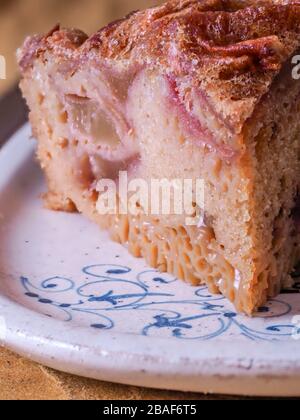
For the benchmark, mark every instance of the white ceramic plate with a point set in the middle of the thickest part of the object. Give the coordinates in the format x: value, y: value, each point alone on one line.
x: 75, y: 301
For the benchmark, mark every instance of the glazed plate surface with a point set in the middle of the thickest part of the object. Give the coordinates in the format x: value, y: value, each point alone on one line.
x: 75, y: 301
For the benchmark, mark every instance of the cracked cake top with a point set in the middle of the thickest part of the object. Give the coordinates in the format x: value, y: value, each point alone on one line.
x: 232, y: 48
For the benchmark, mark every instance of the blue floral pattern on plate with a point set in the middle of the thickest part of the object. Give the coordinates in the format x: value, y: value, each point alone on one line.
x: 111, y: 293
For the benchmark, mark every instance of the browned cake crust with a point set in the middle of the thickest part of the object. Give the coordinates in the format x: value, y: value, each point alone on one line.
x: 235, y: 46
x: 236, y: 56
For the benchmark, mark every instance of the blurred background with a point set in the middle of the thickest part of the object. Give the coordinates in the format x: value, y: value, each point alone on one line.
x: 19, y: 18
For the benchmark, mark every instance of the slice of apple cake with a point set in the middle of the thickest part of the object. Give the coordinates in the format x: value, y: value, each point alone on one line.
x: 193, y: 89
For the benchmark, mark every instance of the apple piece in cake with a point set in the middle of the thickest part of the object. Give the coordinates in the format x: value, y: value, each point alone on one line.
x: 197, y: 89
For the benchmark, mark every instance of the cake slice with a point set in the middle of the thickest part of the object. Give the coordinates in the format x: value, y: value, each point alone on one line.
x: 192, y: 89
